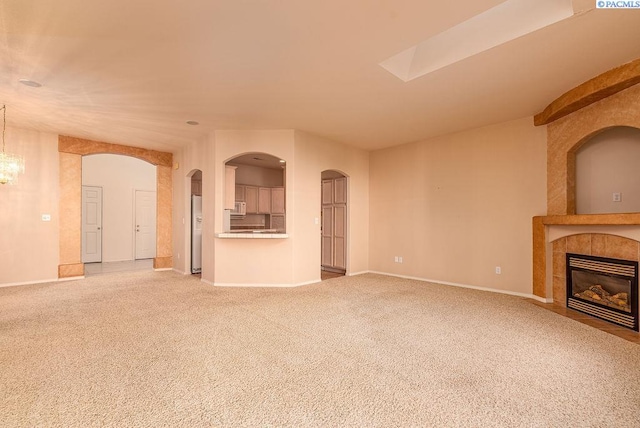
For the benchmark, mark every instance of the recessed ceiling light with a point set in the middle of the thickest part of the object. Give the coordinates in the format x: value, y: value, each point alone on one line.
x: 505, y: 22
x: 31, y: 83
x: 192, y: 122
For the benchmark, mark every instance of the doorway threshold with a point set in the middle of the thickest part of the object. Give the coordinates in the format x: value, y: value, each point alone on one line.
x: 91, y: 269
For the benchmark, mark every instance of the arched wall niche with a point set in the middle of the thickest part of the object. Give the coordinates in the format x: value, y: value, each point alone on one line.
x: 71, y: 150
x: 565, y: 136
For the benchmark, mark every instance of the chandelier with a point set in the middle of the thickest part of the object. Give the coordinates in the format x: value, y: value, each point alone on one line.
x: 10, y: 165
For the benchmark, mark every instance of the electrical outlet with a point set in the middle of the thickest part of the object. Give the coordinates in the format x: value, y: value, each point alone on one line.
x: 617, y: 197
x: 46, y: 217
x: 396, y: 259
x: 498, y: 270
x: 400, y: 259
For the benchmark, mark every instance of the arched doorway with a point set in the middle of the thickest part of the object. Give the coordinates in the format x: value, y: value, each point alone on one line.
x: 334, y: 224
x: 196, y: 222
x: 118, y: 213
x: 71, y: 151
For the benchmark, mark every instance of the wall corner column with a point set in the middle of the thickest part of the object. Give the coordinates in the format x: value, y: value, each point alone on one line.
x: 70, y: 216
x: 164, y: 251
x: 539, y: 258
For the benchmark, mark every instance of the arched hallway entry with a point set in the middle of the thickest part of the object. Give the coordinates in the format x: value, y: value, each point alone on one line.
x: 71, y: 151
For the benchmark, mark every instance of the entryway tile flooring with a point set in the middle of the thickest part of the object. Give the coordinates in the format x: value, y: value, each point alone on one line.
x: 110, y: 267
x: 624, y: 333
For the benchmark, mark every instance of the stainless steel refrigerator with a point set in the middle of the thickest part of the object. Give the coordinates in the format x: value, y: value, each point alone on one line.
x: 196, y: 234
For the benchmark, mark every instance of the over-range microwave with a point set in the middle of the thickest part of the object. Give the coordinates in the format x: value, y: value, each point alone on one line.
x: 239, y: 209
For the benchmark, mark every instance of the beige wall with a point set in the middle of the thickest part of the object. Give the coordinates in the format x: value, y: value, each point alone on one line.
x: 196, y: 156
x: 609, y: 162
x: 253, y: 261
x: 313, y: 155
x: 118, y: 198
x: 29, y: 250
x: 257, y: 176
x: 457, y: 206
x: 277, y: 262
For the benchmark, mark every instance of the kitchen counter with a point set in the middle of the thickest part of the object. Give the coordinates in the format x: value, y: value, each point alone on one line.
x: 252, y: 234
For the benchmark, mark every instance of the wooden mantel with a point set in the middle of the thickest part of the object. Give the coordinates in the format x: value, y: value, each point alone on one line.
x: 540, y: 241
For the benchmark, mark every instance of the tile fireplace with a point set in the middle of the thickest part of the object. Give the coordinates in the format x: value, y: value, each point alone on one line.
x: 603, y: 287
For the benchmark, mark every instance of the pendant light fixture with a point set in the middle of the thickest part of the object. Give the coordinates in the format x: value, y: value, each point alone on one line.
x: 10, y: 165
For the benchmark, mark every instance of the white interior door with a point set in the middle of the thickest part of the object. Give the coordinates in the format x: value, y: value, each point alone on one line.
x: 91, y: 224
x: 145, y: 218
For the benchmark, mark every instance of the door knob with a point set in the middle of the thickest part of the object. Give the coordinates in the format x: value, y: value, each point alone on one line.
x: 98, y: 227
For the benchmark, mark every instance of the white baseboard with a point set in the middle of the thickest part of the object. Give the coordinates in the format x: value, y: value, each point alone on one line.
x: 472, y: 287
x: 358, y: 273
x: 71, y: 278
x: 254, y: 285
x: 541, y: 299
x: 162, y: 269
x: 179, y: 271
x: 42, y: 281
x: 299, y: 284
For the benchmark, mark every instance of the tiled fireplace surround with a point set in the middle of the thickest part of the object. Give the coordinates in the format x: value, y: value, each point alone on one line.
x: 561, y: 230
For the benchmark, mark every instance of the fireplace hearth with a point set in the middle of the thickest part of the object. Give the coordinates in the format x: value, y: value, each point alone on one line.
x: 603, y: 287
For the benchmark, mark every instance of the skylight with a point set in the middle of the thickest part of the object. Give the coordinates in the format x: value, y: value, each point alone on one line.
x: 500, y: 24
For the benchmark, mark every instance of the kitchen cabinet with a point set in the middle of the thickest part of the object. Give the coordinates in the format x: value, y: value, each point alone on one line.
x: 277, y: 200
x: 251, y: 198
x: 229, y: 187
x: 278, y: 223
x: 240, y: 193
x: 264, y: 200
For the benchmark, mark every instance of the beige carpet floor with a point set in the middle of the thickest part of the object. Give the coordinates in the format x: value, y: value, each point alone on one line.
x: 149, y: 349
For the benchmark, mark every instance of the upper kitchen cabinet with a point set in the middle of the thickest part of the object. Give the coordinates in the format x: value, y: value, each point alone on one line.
x: 277, y: 200
x: 229, y: 187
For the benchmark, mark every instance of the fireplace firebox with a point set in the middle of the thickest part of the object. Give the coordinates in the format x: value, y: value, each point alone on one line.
x: 603, y: 287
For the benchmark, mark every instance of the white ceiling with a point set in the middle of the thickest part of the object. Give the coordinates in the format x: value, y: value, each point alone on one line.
x: 134, y: 71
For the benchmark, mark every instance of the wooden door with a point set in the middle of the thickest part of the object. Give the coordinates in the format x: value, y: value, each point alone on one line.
x: 327, y: 236
x: 334, y: 224
x: 340, y: 236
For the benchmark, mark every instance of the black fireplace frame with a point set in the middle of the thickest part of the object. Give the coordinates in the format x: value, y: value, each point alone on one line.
x: 604, y: 312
